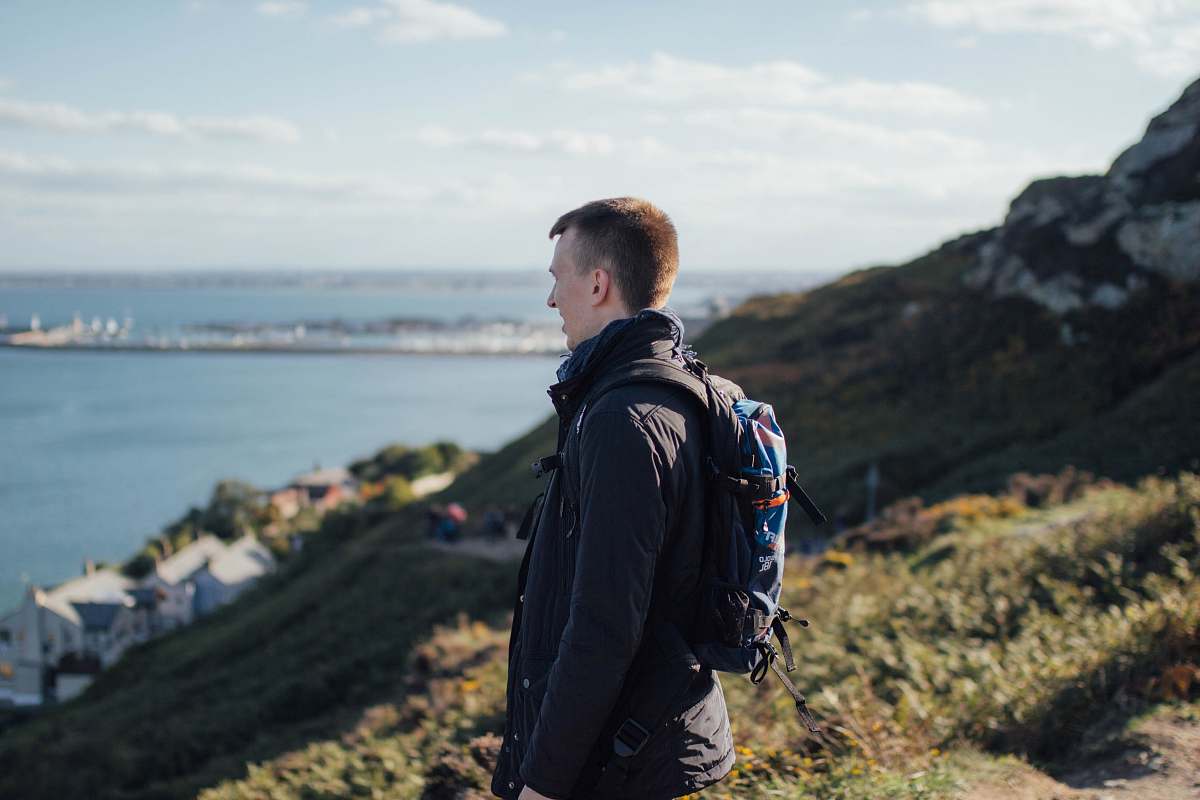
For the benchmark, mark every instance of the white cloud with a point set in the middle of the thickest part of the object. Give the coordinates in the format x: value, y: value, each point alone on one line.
x: 806, y: 129
x: 262, y: 128
x: 667, y: 79
x: 1162, y: 34
x: 49, y: 172
x: 915, y: 97
x: 60, y: 117
x: 240, y: 188
x: 411, y: 21
x: 1101, y: 22
x: 568, y: 142
x: 1177, y: 56
x: 282, y: 8
x: 360, y: 17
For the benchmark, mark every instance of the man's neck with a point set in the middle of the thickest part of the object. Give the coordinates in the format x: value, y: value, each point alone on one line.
x: 605, y: 317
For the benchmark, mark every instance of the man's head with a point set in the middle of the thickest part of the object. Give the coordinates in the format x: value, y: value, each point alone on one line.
x: 613, y: 258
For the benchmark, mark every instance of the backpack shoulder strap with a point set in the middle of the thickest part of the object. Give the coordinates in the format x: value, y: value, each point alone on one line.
x: 651, y: 369
x: 715, y: 395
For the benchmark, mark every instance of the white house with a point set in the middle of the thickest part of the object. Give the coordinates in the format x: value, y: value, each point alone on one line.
x: 91, y: 619
x: 172, y: 580
x: 38, y: 631
x: 230, y: 573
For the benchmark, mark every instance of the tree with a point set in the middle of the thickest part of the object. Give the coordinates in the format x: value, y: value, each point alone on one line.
x: 235, y: 507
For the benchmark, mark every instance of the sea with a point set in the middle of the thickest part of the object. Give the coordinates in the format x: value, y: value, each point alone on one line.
x: 100, y: 449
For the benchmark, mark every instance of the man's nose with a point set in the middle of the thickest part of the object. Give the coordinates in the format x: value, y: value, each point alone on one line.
x: 550, y: 300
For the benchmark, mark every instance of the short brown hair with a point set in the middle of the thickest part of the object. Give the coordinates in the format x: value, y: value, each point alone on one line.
x: 634, y: 239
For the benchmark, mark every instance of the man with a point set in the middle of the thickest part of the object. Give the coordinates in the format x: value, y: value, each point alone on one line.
x: 609, y: 583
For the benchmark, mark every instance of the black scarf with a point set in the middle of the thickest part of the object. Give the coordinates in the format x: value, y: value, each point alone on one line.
x: 578, y: 358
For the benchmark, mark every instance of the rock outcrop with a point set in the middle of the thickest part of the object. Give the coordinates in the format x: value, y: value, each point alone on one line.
x: 1090, y: 241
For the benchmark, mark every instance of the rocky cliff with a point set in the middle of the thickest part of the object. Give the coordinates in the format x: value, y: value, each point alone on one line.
x: 1093, y: 240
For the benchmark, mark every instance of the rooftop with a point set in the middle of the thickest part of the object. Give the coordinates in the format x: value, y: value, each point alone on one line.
x: 244, y: 560
x: 185, y: 563
x: 331, y: 476
x: 101, y: 586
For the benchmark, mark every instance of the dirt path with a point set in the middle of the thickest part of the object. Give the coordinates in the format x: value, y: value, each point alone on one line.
x: 500, y: 550
x: 1161, y: 761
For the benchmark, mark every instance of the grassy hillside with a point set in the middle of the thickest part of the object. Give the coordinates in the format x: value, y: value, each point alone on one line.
x: 1038, y: 632
x: 947, y: 389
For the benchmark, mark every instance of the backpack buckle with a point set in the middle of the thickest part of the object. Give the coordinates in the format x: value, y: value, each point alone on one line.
x: 630, y: 738
x: 786, y: 616
x: 545, y: 465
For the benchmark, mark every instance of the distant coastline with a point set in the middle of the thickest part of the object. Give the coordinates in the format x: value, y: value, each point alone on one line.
x: 357, y: 350
x: 413, y: 337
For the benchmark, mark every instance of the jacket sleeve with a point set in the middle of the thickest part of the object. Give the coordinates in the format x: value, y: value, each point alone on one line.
x: 622, y: 526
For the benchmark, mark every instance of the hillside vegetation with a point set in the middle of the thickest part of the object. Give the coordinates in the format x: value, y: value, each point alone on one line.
x: 1036, y: 622
x: 1009, y: 629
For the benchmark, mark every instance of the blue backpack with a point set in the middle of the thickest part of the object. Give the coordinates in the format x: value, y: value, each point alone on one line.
x: 742, y: 574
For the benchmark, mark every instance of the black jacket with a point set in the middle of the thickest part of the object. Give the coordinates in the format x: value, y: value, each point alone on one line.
x: 614, y: 556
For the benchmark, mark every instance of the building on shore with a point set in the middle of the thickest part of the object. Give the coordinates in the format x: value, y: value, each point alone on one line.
x: 54, y: 644
x: 321, y: 489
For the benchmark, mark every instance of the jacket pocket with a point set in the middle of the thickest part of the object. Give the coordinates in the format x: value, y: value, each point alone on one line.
x: 535, y: 672
x: 568, y: 545
x: 530, y: 690
x: 570, y: 517
x: 703, y: 731
x: 692, y: 749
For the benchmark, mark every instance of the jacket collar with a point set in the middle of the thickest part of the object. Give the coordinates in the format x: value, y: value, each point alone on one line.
x: 651, y: 333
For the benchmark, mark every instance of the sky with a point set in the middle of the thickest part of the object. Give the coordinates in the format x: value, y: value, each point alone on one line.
x: 197, y: 134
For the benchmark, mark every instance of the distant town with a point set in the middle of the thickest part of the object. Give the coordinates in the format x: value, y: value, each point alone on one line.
x: 60, y: 638
x: 402, y: 336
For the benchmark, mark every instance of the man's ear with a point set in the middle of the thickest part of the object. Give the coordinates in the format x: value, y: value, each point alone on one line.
x: 601, y: 286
